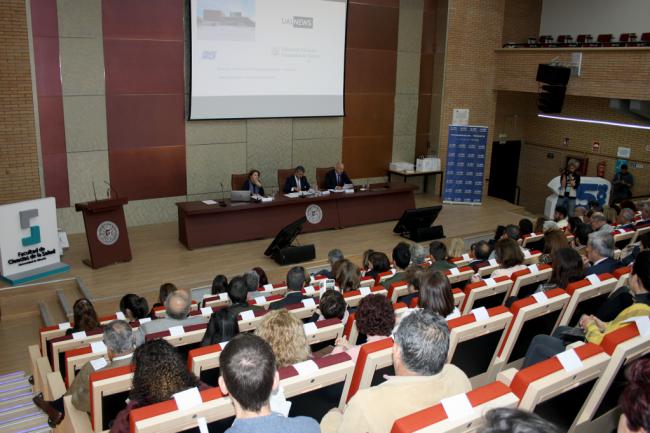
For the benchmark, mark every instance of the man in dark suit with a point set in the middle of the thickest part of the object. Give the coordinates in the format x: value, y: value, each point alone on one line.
x: 335, y: 179
x: 297, y: 181
x: 295, y: 283
x: 600, y: 249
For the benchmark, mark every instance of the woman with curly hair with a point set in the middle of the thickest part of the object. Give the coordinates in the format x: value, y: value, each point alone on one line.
x: 635, y: 398
x: 160, y: 372
x: 375, y: 318
x: 286, y: 336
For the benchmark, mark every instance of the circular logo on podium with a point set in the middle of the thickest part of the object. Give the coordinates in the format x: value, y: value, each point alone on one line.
x: 314, y: 214
x: 108, y: 233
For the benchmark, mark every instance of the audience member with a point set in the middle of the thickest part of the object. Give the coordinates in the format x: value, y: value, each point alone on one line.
x: 134, y: 307
x: 166, y: 289
x: 581, y: 236
x: 378, y: 263
x: 481, y: 254
x: 118, y: 339
x: 629, y: 204
x: 525, y: 226
x: 422, y: 378
x: 238, y: 294
x: 295, y: 283
x: 419, y: 254
x: 626, y: 219
x: 511, y: 232
x: 264, y: 280
x: 510, y: 420
x: 580, y: 212
x: 219, y: 285
x: 599, y: 223
x: 622, y: 184
x: 249, y: 375
x: 544, y: 346
x: 221, y: 328
x: 84, y: 317
x: 286, y: 336
x: 549, y: 226
x: 252, y: 280
x: 332, y: 257
x: 629, y: 253
x: 332, y: 306
x: 365, y: 259
x: 160, y: 372
x: 574, y: 222
x: 509, y: 257
x: 539, y: 225
x: 435, y: 294
x: 456, y: 247
x: 177, y: 309
x: 645, y: 215
x: 560, y: 217
x: 611, y: 214
x: 567, y: 268
x: 635, y: 398
x: 401, y: 259
x: 600, y: 249
x: 595, y: 206
x: 348, y: 277
x: 438, y: 251
x: 553, y: 241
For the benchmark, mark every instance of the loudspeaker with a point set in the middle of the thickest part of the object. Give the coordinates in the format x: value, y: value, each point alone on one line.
x: 551, y: 99
x: 426, y: 234
x: 555, y: 75
x: 290, y: 255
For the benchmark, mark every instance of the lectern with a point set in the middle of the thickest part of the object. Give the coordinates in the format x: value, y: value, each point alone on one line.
x: 108, y: 239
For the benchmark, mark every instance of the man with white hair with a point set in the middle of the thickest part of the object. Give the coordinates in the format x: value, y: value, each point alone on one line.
x: 626, y: 219
x: 645, y: 215
x: 600, y: 249
x: 599, y: 223
x: 335, y: 179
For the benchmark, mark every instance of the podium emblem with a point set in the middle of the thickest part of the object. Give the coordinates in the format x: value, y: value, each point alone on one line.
x: 314, y: 214
x: 108, y: 233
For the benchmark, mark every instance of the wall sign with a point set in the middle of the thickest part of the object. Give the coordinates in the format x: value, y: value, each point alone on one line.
x: 465, y: 164
x: 314, y: 214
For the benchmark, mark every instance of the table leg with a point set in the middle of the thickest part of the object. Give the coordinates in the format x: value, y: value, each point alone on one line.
x: 424, y: 187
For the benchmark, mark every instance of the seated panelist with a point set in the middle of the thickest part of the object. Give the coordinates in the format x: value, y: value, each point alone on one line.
x: 253, y: 183
x: 297, y: 181
x: 335, y: 179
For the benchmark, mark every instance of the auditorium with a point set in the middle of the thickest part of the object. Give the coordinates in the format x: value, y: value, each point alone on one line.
x: 336, y: 216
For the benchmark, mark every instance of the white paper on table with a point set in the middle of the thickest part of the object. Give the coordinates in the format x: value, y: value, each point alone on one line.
x: 526, y: 254
x: 324, y: 193
x: 334, y: 190
x: 65, y: 325
x: 309, y: 290
x: 480, y: 314
x: 79, y: 335
x: 348, y: 185
x: 453, y: 315
x: 570, y: 360
x: 279, y: 402
x: 593, y: 279
x: 260, y: 300
x: 457, y: 406
x: 490, y: 282
x: 393, y: 271
x: 203, y: 425
x: 292, y: 195
x: 642, y: 324
x: 349, y: 191
x: 306, y: 368
x: 310, y: 328
x: 188, y: 399
x: 454, y: 271
x: 98, y: 363
x: 144, y: 320
x: 209, y: 202
x: 176, y: 331
x: 98, y: 347
x: 266, y: 199
x: 493, y: 262
x: 223, y: 296
x: 120, y: 316
x: 247, y: 315
x: 308, y: 303
x: 533, y: 269
x: 206, y: 311
x: 540, y: 297
x: 364, y: 291
x: 268, y: 287
x: 465, y: 257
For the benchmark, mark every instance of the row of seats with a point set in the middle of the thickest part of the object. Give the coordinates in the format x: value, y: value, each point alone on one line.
x: 584, y: 40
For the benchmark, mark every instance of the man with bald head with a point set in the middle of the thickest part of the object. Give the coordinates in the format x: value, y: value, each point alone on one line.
x: 335, y: 179
x: 177, y: 310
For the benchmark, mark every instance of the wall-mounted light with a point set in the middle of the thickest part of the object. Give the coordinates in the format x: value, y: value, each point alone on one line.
x: 593, y: 121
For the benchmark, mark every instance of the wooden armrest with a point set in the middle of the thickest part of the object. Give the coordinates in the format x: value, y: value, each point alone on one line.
x: 506, y: 376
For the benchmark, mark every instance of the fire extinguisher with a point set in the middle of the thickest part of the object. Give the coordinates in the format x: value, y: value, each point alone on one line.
x: 600, y: 170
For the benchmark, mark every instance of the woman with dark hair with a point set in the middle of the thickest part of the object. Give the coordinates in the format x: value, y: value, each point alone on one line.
x: 539, y: 225
x: 375, y: 318
x: 160, y: 372
x: 219, y: 284
x: 525, y: 226
x: 567, y: 268
x: 635, y: 398
x: 348, y: 277
x: 134, y: 307
x: 435, y: 294
x: 264, y: 280
x: 253, y: 183
x: 365, y: 259
x: 581, y: 234
x: 553, y: 241
x: 222, y: 327
x: 85, y: 317
x: 331, y: 306
x: 574, y: 222
x: 378, y: 263
x: 509, y: 257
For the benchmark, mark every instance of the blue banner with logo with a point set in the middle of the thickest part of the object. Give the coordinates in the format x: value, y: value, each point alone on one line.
x: 465, y: 164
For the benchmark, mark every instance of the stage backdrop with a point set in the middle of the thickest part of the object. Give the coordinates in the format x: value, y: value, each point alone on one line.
x: 465, y: 164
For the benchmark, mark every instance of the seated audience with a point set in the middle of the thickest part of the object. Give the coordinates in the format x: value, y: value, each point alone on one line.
x: 600, y: 249
x: 166, y: 289
x: 297, y: 181
x: 295, y: 283
x: 331, y: 306
x: 611, y: 214
x: 337, y: 178
x: 560, y: 217
x: 84, y: 317
x: 567, y: 268
x: 348, y: 276
x: 238, y: 294
x: 134, y: 307
x: 645, y: 215
x: 333, y: 256
x: 581, y: 236
x: 635, y: 398
x: 439, y: 255
x: 436, y: 296
x: 249, y: 375
x: 422, y: 378
x: 419, y: 254
x: 286, y: 336
x: 160, y: 372
x: 628, y: 204
x: 365, y: 259
x: 219, y: 285
x: 456, y: 247
x: 510, y: 420
x: 574, y: 222
x: 481, y: 255
x: 525, y: 226
x: 580, y: 212
x: 629, y: 253
x: 401, y: 259
x: 118, y: 339
x: 375, y: 318
x: 253, y: 183
x: 599, y: 223
x: 264, y: 280
x: 222, y: 327
x: 539, y: 225
x: 378, y: 263
x: 544, y: 346
x: 509, y: 257
x: 252, y: 280
x: 625, y: 219
x: 549, y: 226
x: 594, y: 206
x: 511, y: 232
x: 553, y: 241
x: 177, y: 307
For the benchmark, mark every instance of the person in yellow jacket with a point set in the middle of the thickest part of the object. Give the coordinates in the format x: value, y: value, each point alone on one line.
x: 543, y: 347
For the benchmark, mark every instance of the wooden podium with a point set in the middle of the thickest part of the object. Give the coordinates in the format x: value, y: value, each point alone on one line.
x: 108, y: 239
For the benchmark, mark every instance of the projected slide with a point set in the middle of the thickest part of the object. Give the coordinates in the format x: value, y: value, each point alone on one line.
x: 267, y: 58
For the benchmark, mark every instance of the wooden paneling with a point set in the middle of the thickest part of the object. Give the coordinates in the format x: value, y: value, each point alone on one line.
x: 369, y: 114
x: 367, y: 156
x: 370, y: 71
x: 146, y: 19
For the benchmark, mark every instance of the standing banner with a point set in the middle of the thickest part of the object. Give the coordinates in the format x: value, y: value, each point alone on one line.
x: 465, y: 164
x: 29, y: 241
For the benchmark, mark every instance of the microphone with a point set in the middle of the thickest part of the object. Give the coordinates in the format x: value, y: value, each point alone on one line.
x: 94, y: 191
x: 112, y: 189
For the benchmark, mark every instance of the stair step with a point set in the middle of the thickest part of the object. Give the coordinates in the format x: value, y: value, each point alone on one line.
x: 21, y: 399
x: 13, y: 375
x: 35, y: 413
x: 15, y: 391
x: 13, y: 396
x: 34, y: 424
x: 18, y: 411
x: 13, y: 383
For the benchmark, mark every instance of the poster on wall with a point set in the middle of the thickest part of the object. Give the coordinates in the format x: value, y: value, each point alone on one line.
x: 465, y: 165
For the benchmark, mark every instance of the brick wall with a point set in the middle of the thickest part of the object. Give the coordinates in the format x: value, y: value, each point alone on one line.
x: 521, y: 20
x: 18, y: 150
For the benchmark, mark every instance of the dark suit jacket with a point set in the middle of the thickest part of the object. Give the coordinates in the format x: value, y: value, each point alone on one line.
x: 254, y: 189
x: 290, y: 298
x: 606, y: 266
x: 330, y: 179
x: 290, y: 183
